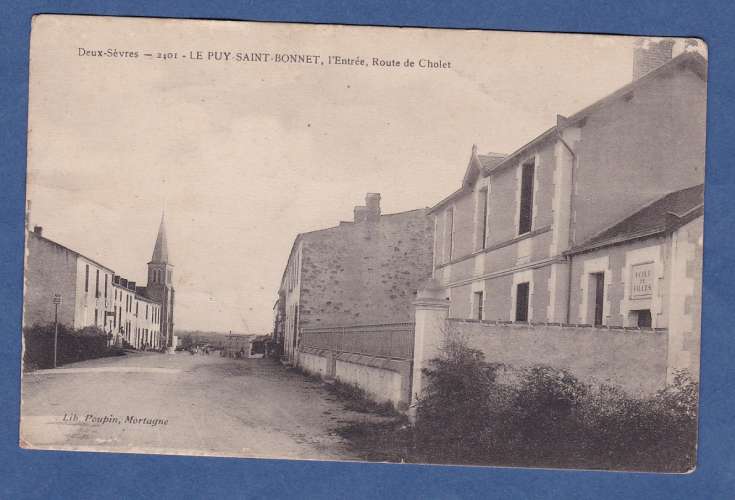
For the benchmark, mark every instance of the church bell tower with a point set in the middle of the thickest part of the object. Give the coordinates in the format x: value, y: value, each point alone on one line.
x: 160, y: 284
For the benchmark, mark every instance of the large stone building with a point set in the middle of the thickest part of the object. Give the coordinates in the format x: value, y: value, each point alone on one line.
x: 94, y: 296
x: 361, y: 272
x: 563, y: 230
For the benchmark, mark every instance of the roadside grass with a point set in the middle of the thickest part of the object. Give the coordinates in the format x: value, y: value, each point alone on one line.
x: 356, y: 399
x: 383, y: 434
x: 386, y: 440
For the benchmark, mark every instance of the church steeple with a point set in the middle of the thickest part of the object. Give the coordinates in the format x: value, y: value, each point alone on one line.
x: 160, y: 283
x: 160, y: 251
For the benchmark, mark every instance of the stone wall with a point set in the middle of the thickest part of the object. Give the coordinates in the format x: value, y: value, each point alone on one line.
x: 367, y: 272
x: 633, y: 359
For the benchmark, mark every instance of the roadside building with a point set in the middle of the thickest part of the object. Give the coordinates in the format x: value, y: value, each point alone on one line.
x: 136, y: 318
x: 530, y: 235
x: 503, y: 234
x: 237, y: 345
x: 646, y: 272
x: 83, y: 283
x: 361, y: 272
x: 94, y: 295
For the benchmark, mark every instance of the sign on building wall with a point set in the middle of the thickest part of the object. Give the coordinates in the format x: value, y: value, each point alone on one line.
x: 641, y: 281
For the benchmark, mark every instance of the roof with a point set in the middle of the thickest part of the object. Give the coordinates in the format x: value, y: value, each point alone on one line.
x: 659, y: 217
x: 490, y: 160
x: 33, y: 233
x: 686, y: 60
x: 160, y: 251
x: 479, y: 164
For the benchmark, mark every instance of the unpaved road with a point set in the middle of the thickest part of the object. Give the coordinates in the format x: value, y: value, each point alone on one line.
x: 210, y: 405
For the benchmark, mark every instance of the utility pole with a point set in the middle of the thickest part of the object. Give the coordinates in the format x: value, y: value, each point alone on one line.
x: 57, y: 301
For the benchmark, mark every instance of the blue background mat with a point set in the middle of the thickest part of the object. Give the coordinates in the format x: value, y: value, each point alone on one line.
x: 37, y: 474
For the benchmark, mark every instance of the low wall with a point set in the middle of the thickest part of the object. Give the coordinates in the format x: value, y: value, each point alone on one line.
x: 315, y: 363
x: 383, y: 379
x: 632, y: 359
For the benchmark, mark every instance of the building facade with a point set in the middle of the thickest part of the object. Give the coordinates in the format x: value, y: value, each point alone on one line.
x: 365, y: 271
x: 504, y: 233
x: 93, y: 295
x: 646, y: 272
x: 519, y: 242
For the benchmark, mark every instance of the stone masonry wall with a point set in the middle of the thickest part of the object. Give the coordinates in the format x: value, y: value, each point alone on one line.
x: 367, y: 272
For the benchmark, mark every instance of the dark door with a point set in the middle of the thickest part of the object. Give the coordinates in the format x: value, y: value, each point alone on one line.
x: 599, y: 282
x: 295, y: 327
x: 522, y: 302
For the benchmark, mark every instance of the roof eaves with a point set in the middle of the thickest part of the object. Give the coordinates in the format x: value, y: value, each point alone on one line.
x: 684, y: 58
x: 617, y: 240
x: 447, y: 200
x: 72, y: 251
x: 510, y: 159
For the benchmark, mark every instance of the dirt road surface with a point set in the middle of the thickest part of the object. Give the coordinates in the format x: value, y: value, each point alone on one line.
x: 182, y: 404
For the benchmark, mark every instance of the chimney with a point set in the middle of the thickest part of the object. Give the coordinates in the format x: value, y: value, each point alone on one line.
x: 370, y: 211
x: 361, y: 214
x: 38, y: 230
x: 649, y: 54
x: 372, y: 201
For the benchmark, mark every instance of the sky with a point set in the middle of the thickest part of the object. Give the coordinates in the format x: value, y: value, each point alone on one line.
x: 244, y: 156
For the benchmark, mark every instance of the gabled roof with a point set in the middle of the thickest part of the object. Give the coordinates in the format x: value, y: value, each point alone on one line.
x: 52, y: 242
x: 687, y: 60
x: 659, y: 217
x: 160, y: 251
x: 479, y: 164
x: 490, y: 161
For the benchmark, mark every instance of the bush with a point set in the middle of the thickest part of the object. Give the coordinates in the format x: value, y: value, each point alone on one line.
x: 458, y: 405
x: 72, y: 345
x: 548, y: 418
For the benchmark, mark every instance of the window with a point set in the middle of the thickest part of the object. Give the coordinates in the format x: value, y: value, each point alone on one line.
x: 482, y: 217
x: 522, y: 291
x: 598, y: 284
x: 136, y: 308
x: 450, y: 231
x: 146, y: 311
x: 95, y: 317
x: 526, y: 209
x: 86, y: 277
x: 105, y: 285
x: 97, y: 284
x: 478, y: 305
x: 644, y: 319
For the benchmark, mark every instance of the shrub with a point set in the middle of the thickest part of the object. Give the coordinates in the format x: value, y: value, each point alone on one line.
x: 72, y: 345
x: 458, y: 404
x: 548, y: 418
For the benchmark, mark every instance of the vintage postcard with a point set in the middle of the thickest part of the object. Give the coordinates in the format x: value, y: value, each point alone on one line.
x: 327, y: 242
